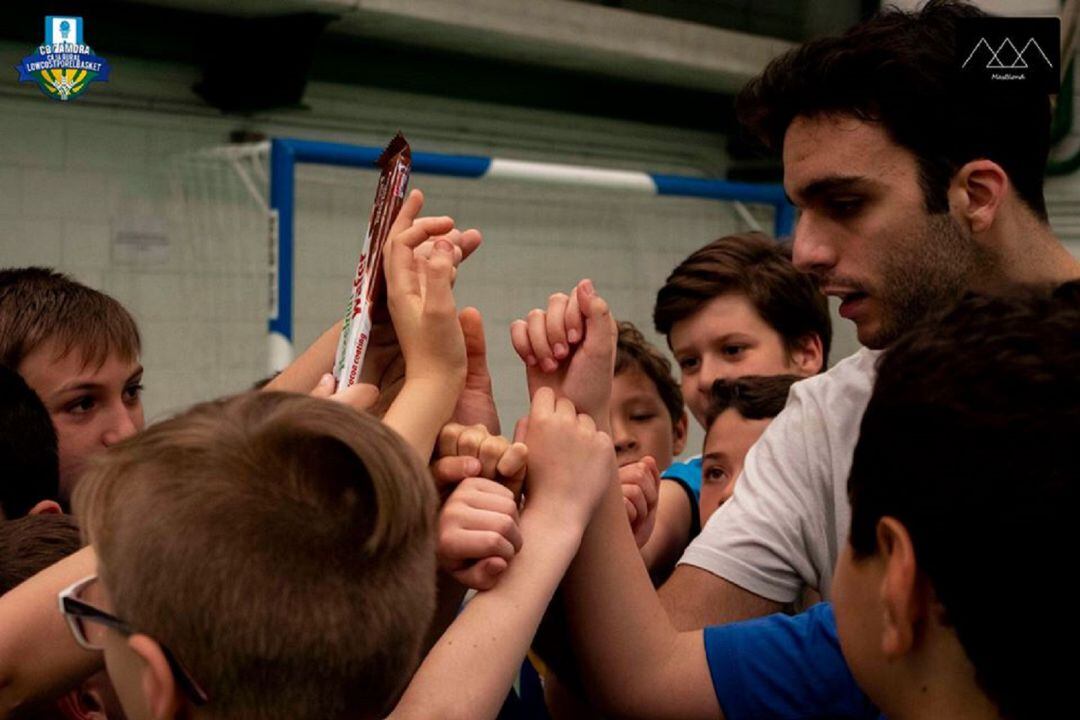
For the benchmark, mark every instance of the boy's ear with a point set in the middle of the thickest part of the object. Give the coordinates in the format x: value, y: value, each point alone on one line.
x: 162, y: 695
x: 46, y: 507
x: 678, y: 434
x: 976, y: 191
x: 808, y: 355
x: 902, y: 598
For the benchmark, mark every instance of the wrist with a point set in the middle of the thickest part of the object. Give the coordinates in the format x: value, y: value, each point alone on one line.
x: 450, y: 378
x: 566, y: 515
x: 441, y: 388
x: 552, y: 531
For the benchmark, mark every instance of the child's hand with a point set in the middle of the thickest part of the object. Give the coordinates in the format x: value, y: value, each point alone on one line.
x: 548, y: 343
x: 640, y: 484
x: 474, y: 452
x: 383, y: 364
x: 421, y: 304
x: 571, y: 463
x: 360, y: 397
x: 478, y: 532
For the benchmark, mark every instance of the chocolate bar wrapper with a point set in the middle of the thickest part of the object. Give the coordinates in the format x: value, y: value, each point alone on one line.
x: 395, y: 164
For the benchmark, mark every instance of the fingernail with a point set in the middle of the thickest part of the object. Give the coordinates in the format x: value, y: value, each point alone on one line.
x: 473, y: 466
x: 549, y: 365
x: 530, y: 360
x: 444, y: 245
x: 559, y: 350
x: 587, y: 286
x: 326, y: 379
x: 573, y: 335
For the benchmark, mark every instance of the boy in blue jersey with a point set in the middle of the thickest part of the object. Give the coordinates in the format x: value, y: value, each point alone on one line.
x: 966, y: 464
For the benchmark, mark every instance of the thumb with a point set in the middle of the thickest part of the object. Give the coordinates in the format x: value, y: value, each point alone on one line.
x: 599, y: 324
x: 359, y: 397
x: 472, y: 327
x: 325, y: 388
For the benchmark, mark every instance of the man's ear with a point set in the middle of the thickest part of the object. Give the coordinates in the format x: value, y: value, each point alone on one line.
x: 163, y: 697
x: 976, y: 192
x: 46, y: 507
x: 678, y: 434
x: 902, y: 598
x: 808, y: 355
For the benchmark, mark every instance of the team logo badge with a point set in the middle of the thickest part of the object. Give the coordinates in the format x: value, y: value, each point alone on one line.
x: 64, y: 65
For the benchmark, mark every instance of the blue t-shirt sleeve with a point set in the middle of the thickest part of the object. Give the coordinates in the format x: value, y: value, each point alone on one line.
x: 784, y: 667
x: 688, y: 473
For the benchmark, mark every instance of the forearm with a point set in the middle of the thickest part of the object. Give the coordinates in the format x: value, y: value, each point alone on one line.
x: 304, y: 372
x: 448, y: 597
x: 695, y: 598
x: 472, y: 667
x: 632, y: 659
x: 38, y: 655
x: 421, y: 410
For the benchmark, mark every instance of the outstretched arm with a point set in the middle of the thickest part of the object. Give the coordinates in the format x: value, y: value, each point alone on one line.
x: 632, y: 659
x: 38, y: 655
x: 469, y: 671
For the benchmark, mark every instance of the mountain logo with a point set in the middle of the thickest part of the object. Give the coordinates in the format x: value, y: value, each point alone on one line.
x: 1009, y: 54
x: 1007, y: 57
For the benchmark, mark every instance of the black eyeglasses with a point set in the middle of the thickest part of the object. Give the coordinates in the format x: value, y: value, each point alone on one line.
x: 88, y: 625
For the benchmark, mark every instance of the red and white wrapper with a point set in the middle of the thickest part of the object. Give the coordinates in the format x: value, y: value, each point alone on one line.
x: 396, y: 163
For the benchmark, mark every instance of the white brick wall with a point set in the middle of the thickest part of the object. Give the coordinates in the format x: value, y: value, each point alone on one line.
x: 72, y: 175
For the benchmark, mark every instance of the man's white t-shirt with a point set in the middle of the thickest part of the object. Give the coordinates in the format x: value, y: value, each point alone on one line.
x: 789, y: 517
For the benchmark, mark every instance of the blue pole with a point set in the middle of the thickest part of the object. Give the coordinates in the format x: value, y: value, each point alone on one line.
x: 784, y: 221
x: 282, y: 190
x: 326, y: 153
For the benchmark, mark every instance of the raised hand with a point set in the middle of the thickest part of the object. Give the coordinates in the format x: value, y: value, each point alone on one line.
x: 571, y: 463
x: 421, y: 304
x: 570, y: 348
x: 383, y: 364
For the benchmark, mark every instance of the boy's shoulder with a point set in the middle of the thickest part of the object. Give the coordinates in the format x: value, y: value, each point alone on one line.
x: 784, y: 666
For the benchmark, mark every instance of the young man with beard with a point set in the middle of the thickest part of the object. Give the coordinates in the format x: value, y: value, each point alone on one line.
x: 909, y: 196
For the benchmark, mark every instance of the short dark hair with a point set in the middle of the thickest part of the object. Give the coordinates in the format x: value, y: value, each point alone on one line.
x: 755, y: 397
x: 754, y: 265
x: 970, y: 441
x: 30, y: 544
x: 39, y: 304
x: 632, y: 349
x: 29, y: 464
x: 901, y: 69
